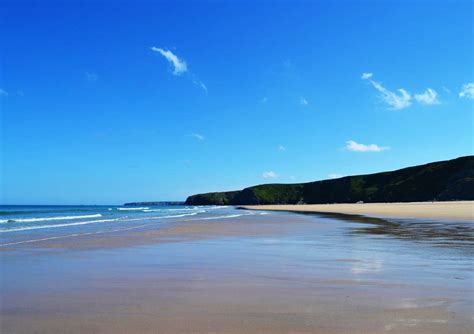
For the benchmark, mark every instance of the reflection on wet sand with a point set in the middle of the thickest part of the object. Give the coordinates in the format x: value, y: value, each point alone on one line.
x: 438, y: 233
x: 274, y: 273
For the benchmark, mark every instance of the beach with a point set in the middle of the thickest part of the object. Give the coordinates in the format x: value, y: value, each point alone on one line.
x: 241, y: 271
x: 458, y: 210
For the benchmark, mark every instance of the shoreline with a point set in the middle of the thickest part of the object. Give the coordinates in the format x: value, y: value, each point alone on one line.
x: 455, y: 210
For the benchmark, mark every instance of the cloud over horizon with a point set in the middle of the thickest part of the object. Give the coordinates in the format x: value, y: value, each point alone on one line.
x: 270, y: 175
x: 354, y: 146
x: 335, y: 175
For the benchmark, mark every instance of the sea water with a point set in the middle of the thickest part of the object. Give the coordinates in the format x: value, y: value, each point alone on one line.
x: 22, y: 223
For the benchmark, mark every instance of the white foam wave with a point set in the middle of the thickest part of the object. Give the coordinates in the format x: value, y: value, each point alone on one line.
x: 161, y: 217
x: 164, y: 210
x: 42, y: 219
x: 132, y: 209
x: 220, y: 217
x: 38, y: 227
x: 184, y: 209
x: 183, y: 215
x: 215, y: 207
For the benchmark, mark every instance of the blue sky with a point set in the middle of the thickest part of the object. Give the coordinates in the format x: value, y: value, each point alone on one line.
x: 108, y: 102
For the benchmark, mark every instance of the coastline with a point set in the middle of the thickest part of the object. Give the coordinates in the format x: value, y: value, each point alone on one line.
x: 455, y: 210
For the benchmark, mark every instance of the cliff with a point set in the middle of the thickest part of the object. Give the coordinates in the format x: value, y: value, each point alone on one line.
x: 439, y: 181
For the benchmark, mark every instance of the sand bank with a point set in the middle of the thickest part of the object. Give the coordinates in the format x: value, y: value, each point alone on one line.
x: 460, y: 210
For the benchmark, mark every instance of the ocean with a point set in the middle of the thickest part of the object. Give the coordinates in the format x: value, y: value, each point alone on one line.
x: 27, y: 223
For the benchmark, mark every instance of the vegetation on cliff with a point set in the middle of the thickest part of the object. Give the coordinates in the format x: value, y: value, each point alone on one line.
x: 439, y: 181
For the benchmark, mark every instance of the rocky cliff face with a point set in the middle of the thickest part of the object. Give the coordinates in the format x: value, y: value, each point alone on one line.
x: 440, y: 181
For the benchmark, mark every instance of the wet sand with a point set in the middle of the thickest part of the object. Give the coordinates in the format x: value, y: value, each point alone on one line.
x: 274, y: 273
x: 459, y: 210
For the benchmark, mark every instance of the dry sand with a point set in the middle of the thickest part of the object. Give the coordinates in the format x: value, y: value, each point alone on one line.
x: 460, y: 210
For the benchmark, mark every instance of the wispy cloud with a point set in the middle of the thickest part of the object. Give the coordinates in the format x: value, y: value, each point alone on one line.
x: 303, y: 101
x: 395, y: 101
x: 401, y: 98
x: 335, y: 175
x: 198, y: 136
x: 447, y: 90
x: 354, y: 146
x: 3, y: 92
x: 270, y: 175
x: 467, y: 91
x: 429, y: 97
x: 179, y: 66
x: 91, y: 76
x: 200, y: 84
x: 281, y: 148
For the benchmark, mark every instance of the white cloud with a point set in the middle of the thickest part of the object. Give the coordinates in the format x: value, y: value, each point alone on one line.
x: 303, y: 101
x: 356, y: 147
x: 179, y: 65
x: 270, y: 175
x: 401, y: 98
x: 394, y: 100
x: 429, y: 97
x: 281, y: 148
x: 447, y: 90
x: 467, y: 91
x: 197, y: 136
x: 3, y: 92
x: 335, y: 175
x: 200, y: 84
x: 91, y: 76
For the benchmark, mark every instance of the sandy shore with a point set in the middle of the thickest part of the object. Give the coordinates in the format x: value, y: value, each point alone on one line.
x: 461, y: 210
x: 270, y: 273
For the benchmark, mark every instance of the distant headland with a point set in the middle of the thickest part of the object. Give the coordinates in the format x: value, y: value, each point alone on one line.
x: 161, y: 203
x: 437, y: 181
